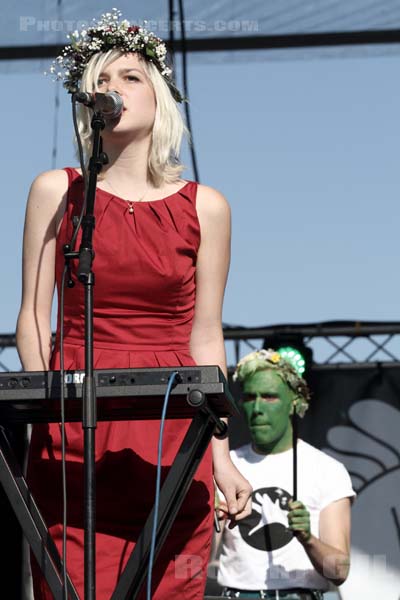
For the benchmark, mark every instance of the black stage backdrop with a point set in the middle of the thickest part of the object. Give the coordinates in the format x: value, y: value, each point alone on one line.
x: 354, y: 415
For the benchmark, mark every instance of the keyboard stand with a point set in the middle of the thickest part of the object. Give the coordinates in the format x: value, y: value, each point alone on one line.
x: 173, y: 491
x: 31, y: 520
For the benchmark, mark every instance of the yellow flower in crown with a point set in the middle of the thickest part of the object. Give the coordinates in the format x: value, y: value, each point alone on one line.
x: 275, y: 357
x: 258, y: 355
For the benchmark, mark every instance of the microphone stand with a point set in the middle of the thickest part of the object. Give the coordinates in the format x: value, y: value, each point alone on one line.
x: 89, y: 413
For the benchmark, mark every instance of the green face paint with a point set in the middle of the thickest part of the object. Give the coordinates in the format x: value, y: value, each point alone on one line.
x: 267, y: 404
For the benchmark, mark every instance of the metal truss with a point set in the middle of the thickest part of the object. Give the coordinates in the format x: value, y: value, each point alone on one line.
x: 253, y: 42
x: 333, y: 344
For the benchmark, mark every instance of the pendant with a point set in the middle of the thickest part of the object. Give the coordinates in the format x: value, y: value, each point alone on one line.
x: 130, y: 204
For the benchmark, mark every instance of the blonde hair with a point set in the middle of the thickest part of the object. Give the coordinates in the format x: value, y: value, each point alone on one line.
x: 168, y: 129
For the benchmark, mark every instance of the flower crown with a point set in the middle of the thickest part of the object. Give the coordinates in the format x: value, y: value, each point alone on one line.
x: 109, y: 33
x: 263, y: 355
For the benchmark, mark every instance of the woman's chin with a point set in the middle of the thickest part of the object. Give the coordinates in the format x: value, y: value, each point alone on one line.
x: 118, y: 130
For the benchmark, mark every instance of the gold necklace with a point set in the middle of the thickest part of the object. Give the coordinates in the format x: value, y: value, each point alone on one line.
x: 131, y: 203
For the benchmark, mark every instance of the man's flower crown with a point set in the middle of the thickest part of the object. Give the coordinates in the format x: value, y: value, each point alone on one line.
x: 270, y: 356
x: 109, y: 33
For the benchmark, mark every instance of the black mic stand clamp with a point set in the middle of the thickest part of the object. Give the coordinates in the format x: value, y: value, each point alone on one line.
x: 85, y: 255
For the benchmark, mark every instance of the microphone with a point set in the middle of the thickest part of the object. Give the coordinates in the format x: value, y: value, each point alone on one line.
x: 109, y: 104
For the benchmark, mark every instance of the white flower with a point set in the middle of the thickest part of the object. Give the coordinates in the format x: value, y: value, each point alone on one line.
x: 108, y: 32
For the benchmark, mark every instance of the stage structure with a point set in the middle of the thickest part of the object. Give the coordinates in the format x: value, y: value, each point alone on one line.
x: 334, y: 344
x: 212, y: 26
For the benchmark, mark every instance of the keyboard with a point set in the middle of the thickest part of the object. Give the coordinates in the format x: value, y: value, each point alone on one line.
x: 122, y: 394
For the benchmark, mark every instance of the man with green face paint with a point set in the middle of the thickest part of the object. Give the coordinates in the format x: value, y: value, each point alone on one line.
x: 287, y: 548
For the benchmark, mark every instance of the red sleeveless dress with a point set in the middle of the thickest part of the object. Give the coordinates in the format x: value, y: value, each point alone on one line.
x: 144, y: 298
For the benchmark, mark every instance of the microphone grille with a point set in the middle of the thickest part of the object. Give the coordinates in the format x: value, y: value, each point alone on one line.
x: 113, y: 105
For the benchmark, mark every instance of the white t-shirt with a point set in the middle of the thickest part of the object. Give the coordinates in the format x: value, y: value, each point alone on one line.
x: 261, y: 552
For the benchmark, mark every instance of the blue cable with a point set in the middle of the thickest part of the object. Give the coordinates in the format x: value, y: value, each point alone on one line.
x: 171, y: 380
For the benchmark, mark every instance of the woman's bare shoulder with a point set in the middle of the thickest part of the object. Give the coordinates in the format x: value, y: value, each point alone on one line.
x: 55, y: 179
x: 211, y: 202
x: 49, y: 190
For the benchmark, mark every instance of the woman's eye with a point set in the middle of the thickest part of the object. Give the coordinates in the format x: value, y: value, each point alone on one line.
x: 132, y: 78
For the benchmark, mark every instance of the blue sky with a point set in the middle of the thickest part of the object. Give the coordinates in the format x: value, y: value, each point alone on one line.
x: 307, y: 153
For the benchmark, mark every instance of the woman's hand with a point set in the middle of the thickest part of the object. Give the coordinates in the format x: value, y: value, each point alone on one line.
x: 236, y: 490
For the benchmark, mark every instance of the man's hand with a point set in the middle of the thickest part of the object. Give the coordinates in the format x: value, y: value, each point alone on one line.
x: 299, y: 521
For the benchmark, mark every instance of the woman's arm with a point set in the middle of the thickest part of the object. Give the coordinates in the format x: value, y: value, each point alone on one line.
x: 207, y: 342
x: 45, y: 206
